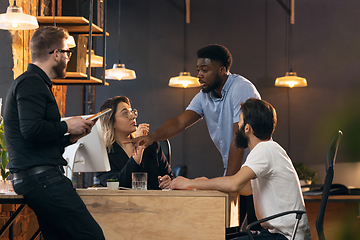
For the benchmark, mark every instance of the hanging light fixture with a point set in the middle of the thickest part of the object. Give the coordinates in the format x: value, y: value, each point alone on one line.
x: 290, y: 79
x: 185, y: 80
x: 15, y: 19
x: 96, y: 60
x: 71, y: 42
x: 119, y: 72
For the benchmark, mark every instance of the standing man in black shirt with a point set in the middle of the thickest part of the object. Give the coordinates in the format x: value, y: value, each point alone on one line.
x: 35, y: 138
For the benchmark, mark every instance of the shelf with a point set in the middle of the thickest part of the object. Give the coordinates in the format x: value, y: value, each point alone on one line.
x: 74, y: 25
x: 77, y: 78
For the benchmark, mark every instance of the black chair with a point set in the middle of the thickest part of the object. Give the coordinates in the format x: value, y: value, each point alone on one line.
x: 166, y: 148
x: 297, y: 221
x: 178, y: 170
x: 329, y: 163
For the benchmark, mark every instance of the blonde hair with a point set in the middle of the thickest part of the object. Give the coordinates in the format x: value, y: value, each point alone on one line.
x: 108, y: 120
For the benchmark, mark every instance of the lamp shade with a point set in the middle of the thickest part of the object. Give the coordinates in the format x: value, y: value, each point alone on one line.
x: 290, y: 80
x: 71, y: 42
x: 119, y: 72
x: 15, y: 19
x: 96, y: 61
x: 184, y: 80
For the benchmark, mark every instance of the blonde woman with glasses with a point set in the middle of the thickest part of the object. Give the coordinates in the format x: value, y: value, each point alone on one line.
x: 120, y: 125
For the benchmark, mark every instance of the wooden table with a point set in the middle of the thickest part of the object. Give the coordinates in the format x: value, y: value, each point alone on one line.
x: 11, y: 199
x: 342, y: 216
x: 156, y: 214
x: 22, y: 224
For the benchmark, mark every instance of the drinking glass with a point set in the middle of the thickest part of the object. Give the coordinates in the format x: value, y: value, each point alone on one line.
x: 139, y: 181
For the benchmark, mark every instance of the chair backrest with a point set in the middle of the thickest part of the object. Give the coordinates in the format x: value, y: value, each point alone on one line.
x: 329, y: 163
x: 166, y: 148
x: 179, y: 170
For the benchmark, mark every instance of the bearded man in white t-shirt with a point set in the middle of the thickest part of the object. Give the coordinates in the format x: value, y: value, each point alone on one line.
x: 268, y: 174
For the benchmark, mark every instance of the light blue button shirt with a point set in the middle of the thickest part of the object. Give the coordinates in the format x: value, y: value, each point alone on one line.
x: 222, y: 113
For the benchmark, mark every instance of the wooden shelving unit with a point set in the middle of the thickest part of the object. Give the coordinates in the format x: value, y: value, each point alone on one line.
x: 76, y: 25
x: 77, y: 78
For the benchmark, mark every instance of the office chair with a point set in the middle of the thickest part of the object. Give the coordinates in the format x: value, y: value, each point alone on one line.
x: 329, y: 164
x: 166, y: 148
x: 297, y: 221
x: 178, y: 170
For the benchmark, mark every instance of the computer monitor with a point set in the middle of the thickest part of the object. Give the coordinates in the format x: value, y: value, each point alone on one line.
x: 88, y: 154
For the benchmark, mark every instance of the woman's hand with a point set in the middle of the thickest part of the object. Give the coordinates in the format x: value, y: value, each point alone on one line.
x: 138, y: 154
x: 164, y: 182
x: 142, y: 129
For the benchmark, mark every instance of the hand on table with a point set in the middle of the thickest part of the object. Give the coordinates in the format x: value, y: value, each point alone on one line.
x: 180, y: 183
x: 164, y: 182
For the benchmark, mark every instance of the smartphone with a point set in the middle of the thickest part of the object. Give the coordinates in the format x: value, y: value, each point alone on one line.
x: 95, y: 116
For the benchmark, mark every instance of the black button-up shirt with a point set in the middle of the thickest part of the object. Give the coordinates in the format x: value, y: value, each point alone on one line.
x: 34, y: 132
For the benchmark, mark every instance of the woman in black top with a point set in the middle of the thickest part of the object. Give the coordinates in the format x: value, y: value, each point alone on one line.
x: 120, y: 125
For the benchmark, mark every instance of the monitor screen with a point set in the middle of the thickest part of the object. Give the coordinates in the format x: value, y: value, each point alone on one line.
x: 88, y: 154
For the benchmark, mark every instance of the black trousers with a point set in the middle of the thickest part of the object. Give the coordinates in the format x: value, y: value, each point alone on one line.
x: 60, y: 211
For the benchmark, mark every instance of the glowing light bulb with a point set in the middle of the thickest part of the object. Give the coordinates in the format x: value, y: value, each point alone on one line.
x: 184, y: 80
x: 291, y: 84
x: 15, y: 26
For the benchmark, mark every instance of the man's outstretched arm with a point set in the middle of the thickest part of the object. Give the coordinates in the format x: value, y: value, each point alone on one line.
x: 236, y: 183
x: 169, y: 129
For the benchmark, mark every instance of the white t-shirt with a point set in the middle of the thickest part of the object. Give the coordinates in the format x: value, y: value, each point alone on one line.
x: 276, y: 189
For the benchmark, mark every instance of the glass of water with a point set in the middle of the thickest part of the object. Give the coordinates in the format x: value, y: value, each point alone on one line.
x: 139, y: 181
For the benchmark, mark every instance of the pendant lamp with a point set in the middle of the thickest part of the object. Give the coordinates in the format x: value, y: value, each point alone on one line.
x: 15, y: 19
x: 119, y: 72
x: 290, y: 79
x: 71, y: 42
x: 96, y: 60
x: 185, y: 80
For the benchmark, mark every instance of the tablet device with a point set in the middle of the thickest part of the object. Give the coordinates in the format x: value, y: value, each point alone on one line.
x: 97, y: 115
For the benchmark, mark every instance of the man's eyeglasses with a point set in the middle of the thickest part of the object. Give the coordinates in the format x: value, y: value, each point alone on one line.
x: 128, y: 113
x: 67, y: 52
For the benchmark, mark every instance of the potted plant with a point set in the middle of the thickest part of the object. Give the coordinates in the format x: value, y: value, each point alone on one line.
x: 3, y: 152
x: 306, y: 174
x: 112, y: 184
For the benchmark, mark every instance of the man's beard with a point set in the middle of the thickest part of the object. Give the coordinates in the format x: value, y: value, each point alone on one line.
x: 60, y: 69
x: 214, y: 86
x: 241, y: 141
